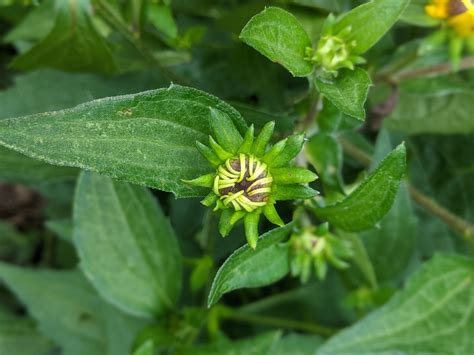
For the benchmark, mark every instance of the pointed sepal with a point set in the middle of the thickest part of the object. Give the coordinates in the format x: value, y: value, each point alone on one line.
x: 251, y: 228
x: 204, y: 180
x: 274, y: 152
x: 261, y: 142
x: 293, y: 175
x: 224, y: 222
x: 271, y: 214
x: 224, y: 130
x: 209, y: 154
x: 248, y: 141
x: 220, y: 152
x: 293, y: 146
x: 210, y: 199
x: 293, y: 192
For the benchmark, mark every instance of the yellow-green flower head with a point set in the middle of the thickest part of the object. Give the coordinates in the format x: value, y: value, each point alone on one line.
x: 458, y: 14
x: 250, y: 175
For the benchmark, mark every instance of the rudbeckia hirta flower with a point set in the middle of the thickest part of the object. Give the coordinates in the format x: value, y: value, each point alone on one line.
x: 458, y: 14
x: 249, y: 175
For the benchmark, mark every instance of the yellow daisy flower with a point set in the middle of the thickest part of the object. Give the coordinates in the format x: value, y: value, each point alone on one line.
x: 459, y: 14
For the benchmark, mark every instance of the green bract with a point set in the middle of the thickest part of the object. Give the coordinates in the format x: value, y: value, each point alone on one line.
x: 249, y: 175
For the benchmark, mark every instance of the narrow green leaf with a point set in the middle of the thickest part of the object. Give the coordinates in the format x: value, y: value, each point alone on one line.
x: 248, y: 140
x: 293, y: 146
x: 203, y: 181
x: 224, y: 131
x: 125, y: 243
x: 293, y: 192
x: 73, y: 44
x: 69, y: 311
x: 279, y: 36
x: 293, y: 175
x: 146, y: 138
x: 372, y: 199
x: 274, y: 152
x: 370, y: 21
x: 433, y: 314
x: 348, y: 91
x: 208, y: 153
x: 253, y: 268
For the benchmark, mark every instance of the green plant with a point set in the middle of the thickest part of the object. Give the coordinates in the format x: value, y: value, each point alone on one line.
x: 135, y: 135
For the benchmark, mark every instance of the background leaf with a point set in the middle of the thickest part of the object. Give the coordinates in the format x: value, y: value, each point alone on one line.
x: 253, y: 268
x: 69, y: 312
x: 434, y: 313
x: 147, y: 138
x: 125, y: 243
x: 73, y: 43
x: 279, y: 36
x: 348, y: 91
x: 19, y: 336
x: 372, y: 199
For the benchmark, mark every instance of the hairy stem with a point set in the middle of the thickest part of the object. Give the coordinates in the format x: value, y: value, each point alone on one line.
x: 457, y: 224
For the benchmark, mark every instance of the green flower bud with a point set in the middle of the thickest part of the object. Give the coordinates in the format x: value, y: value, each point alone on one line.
x: 250, y: 175
x: 314, y: 248
x: 334, y: 51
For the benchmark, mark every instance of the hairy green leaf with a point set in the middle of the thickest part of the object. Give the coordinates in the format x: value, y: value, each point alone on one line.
x: 125, y: 243
x: 372, y: 199
x: 278, y: 35
x: 434, y: 313
x: 348, y: 91
x: 253, y: 268
x: 370, y: 21
x: 146, y: 138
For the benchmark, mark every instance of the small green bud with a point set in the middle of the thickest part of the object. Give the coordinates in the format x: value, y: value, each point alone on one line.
x: 334, y: 52
x: 314, y: 248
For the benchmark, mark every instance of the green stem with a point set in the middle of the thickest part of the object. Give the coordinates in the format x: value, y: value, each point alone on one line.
x: 457, y: 224
x: 281, y: 323
x: 444, y: 68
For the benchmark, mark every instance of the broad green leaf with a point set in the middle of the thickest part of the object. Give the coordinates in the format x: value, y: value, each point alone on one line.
x: 19, y: 336
x: 433, y: 314
x: 372, y: 199
x: 262, y: 344
x: 279, y: 36
x: 69, y: 312
x: 370, y: 21
x: 348, y: 91
x: 126, y: 243
x: 324, y: 152
x: 146, y: 138
x: 73, y: 44
x: 253, y: 268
